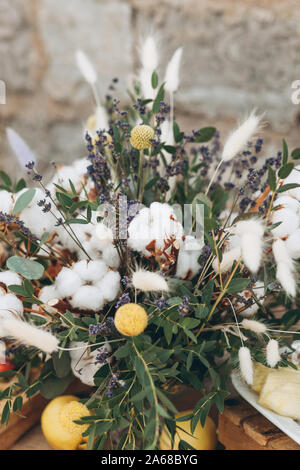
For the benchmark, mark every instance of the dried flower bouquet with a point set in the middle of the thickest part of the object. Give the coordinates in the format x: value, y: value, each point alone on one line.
x: 152, y: 262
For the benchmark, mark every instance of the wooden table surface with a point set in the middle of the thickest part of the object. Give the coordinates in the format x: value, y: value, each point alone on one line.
x: 32, y: 440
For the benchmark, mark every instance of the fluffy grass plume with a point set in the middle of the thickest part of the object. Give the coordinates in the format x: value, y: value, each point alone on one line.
x: 272, y: 353
x: 246, y: 365
x: 239, y: 138
x: 86, y: 67
x: 148, y: 281
x: 172, y: 72
x: 30, y: 335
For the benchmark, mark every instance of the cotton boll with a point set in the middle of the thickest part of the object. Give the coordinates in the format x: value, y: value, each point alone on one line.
x: 103, y: 235
x: 64, y: 174
x: 164, y: 224
x: 259, y: 291
x: 10, y: 305
x: 228, y: 258
x: 148, y: 281
x: 67, y: 282
x: 289, y: 222
x: 246, y: 365
x: 139, y: 230
x: 37, y: 221
x: 7, y: 202
x: 295, y: 193
x: 110, y: 285
x: 83, y: 361
x: 34, y: 218
x: 157, y: 223
x: 87, y: 298
x: 30, y: 335
x: 48, y: 293
x: 80, y: 166
x: 294, y: 176
x: 90, y: 271
x: 293, y: 244
x: 10, y: 278
x: 111, y: 257
x: 287, y: 202
x: 273, y: 354
x: 83, y: 233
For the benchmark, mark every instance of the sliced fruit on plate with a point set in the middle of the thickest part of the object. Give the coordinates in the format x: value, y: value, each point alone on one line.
x: 281, y: 393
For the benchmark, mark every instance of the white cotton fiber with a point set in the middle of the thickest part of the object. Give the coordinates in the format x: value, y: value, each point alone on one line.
x: 48, y: 293
x: 65, y: 173
x: 7, y: 201
x: 34, y: 218
x: 287, y: 202
x: 110, y: 285
x: 90, y: 271
x: 67, y: 282
x: 83, y: 361
x: 10, y: 278
x: 87, y: 298
x: 289, y: 222
x: 103, y: 235
x: 293, y: 244
x: 111, y: 256
x: 10, y: 305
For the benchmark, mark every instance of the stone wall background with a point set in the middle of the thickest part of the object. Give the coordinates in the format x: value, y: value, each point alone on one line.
x: 237, y: 55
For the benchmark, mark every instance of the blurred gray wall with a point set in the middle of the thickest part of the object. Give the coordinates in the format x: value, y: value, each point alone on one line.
x: 237, y: 55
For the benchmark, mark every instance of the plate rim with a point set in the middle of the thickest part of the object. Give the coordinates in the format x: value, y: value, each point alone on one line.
x: 289, y: 426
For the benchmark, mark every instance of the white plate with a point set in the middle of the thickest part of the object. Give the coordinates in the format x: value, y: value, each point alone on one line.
x: 287, y: 425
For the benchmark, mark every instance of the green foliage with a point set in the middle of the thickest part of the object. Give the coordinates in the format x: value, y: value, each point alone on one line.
x: 26, y: 267
x: 23, y: 200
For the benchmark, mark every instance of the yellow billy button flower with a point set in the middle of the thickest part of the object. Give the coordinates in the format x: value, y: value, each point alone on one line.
x: 58, y: 423
x: 131, y: 319
x: 140, y: 136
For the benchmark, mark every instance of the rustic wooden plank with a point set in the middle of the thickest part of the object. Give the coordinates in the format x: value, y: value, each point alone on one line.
x: 241, y: 427
x: 283, y: 443
x: 232, y: 436
x: 19, y: 426
x: 238, y: 410
x: 260, y: 429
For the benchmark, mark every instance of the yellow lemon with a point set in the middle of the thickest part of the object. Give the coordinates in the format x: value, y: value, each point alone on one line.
x: 131, y: 319
x: 202, y: 439
x: 140, y: 136
x: 58, y: 423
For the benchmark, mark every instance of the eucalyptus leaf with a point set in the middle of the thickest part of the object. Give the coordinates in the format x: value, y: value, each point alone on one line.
x: 24, y: 200
x: 27, y: 268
